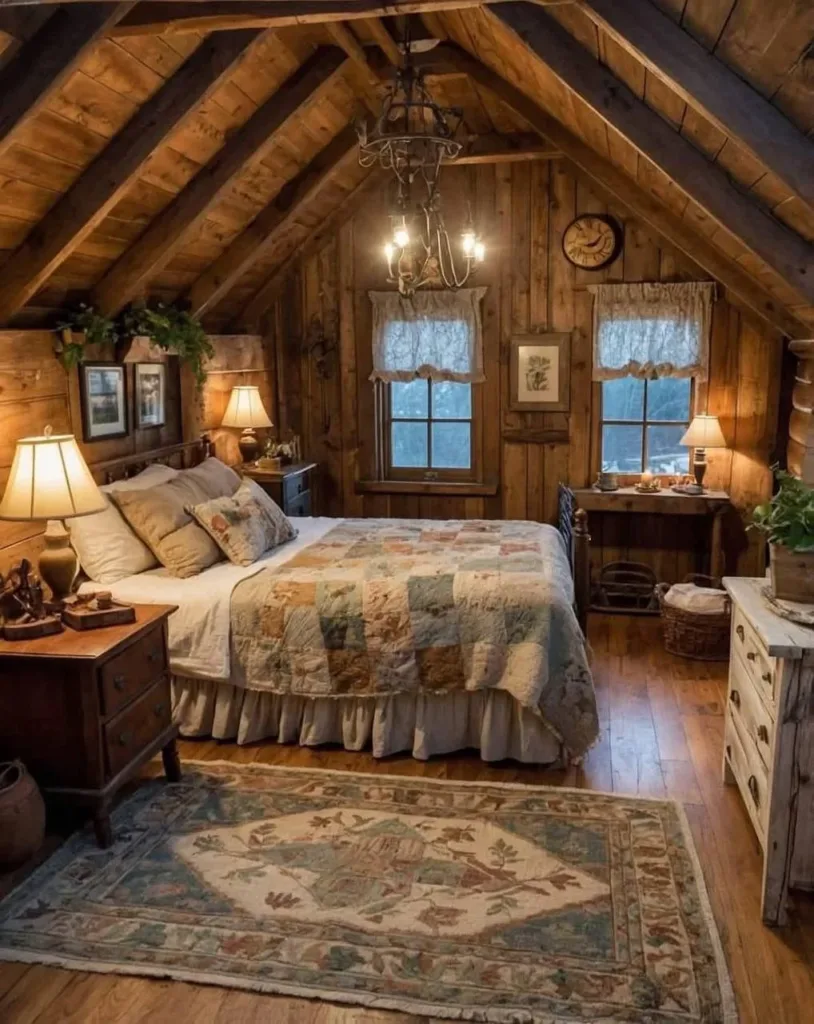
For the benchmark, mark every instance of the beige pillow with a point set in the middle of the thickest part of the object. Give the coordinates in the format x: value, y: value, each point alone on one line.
x: 159, y: 516
x: 245, y: 524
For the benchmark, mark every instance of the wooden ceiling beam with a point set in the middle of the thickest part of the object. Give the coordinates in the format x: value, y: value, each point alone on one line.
x: 262, y: 234
x: 42, y: 65
x: 347, y: 41
x: 167, y: 233
x: 654, y: 138
x: 91, y: 198
x: 450, y: 59
x: 711, y: 88
x: 263, y: 298
x: 157, y: 18
x: 386, y: 43
x: 520, y: 147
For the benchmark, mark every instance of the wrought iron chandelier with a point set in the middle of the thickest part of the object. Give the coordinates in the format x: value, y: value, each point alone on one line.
x: 412, y: 137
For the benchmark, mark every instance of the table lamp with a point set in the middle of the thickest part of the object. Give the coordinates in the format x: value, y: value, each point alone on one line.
x: 704, y: 432
x: 50, y: 481
x: 245, y: 411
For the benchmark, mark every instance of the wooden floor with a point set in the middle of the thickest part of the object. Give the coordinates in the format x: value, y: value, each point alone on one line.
x: 662, y: 727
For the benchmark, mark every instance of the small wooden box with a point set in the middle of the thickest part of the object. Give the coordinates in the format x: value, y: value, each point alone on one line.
x: 84, y: 617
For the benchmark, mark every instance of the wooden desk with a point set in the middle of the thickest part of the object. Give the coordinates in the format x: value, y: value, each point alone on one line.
x: 665, y: 503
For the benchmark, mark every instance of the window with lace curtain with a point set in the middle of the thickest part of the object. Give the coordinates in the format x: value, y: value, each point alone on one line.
x: 427, y: 368
x: 651, y: 343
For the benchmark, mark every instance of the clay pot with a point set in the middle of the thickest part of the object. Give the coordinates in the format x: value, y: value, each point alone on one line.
x: 22, y: 815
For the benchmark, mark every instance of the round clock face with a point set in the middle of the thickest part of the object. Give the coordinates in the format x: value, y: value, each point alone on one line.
x: 591, y: 242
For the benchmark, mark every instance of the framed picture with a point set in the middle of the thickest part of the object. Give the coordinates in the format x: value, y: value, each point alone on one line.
x: 103, y: 391
x: 540, y: 373
x: 151, y: 390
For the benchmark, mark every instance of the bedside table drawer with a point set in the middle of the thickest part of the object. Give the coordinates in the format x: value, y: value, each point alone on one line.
x: 130, y: 732
x: 294, y: 486
x: 299, y: 506
x: 125, y: 676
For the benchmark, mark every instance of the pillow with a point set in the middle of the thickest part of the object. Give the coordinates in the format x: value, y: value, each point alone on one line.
x: 246, y: 524
x: 107, y: 548
x: 159, y: 516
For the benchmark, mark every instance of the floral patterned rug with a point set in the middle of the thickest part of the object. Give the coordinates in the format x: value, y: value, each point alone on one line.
x: 468, y: 901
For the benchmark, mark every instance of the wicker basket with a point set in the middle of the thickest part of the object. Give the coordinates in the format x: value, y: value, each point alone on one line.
x: 22, y: 815
x: 691, y: 634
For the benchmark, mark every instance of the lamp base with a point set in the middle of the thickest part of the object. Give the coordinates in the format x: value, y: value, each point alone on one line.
x: 58, y: 563
x: 249, y: 445
x: 699, y: 467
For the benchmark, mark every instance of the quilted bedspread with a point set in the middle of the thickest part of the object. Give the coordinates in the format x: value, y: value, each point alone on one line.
x: 388, y: 606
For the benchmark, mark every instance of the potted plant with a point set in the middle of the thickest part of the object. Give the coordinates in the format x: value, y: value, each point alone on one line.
x: 82, y: 326
x: 788, y: 522
x: 172, y: 329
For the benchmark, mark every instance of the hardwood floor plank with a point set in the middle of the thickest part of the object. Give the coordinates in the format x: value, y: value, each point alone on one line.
x: 36, y: 990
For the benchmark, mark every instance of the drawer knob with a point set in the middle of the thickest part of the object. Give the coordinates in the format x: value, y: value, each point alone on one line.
x: 766, y: 677
x: 153, y: 656
x: 729, y: 752
x: 158, y: 709
x: 735, y: 697
x: 739, y: 631
x: 754, y: 791
x: 763, y: 734
x: 118, y: 683
x: 751, y: 656
x: 124, y: 739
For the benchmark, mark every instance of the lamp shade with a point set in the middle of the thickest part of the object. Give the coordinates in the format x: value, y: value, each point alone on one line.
x: 49, y: 479
x: 704, y: 432
x: 245, y: 408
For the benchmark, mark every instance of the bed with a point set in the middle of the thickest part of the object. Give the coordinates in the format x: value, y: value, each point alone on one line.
x: 392, y: 635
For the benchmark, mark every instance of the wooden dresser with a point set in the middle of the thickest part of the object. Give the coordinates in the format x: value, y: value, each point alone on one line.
x: 85, y: 710
x: 769, y: 739
x: 289, y: 487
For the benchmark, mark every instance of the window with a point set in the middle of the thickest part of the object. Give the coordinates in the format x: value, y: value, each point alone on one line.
x: 430, y: 426
x: 643, y: 422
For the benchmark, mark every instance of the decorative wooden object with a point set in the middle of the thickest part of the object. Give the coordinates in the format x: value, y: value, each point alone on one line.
x: 288, y: 486
x: 801, y: 422
x: 22, y: 607
x: 93, y: 611
x: 22, y: 815
x: 768, y: 749
x: 85, y: 710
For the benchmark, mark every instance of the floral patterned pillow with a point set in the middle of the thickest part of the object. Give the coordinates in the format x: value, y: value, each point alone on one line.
x: 245, y: 524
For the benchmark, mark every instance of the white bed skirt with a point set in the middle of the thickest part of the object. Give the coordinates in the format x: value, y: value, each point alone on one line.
x: 489, y: 721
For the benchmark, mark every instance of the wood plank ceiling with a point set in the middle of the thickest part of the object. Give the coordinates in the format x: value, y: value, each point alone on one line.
x: 193, y: 150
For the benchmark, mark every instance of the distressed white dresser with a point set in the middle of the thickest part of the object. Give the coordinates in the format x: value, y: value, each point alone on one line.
x: 769, y: 739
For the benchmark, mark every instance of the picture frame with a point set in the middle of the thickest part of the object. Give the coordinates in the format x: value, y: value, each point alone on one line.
x: 103, y: 395
x: 150, y: 395
x: 540, y: 373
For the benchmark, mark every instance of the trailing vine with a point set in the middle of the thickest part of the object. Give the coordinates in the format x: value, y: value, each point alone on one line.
x: 172, y: 329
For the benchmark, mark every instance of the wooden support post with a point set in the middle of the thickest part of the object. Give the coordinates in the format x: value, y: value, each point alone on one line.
x: 581, y: 567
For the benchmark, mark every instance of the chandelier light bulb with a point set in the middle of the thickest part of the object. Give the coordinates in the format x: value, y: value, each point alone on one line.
x: 388, y: 253
x: 468, y: 242
x: 401, y: 237
x: 480, y: 252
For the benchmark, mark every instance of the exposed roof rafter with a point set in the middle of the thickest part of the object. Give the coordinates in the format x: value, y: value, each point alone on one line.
x: 166, y: 233
x: 778, y: 246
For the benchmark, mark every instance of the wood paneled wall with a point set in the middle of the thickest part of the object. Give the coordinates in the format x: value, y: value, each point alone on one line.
x: 522, y: 210
x: 35, y: 391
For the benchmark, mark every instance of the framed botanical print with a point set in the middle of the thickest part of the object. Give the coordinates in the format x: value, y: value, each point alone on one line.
x: 103, y: 394
x: 150, y: 394
x: 540, y: 373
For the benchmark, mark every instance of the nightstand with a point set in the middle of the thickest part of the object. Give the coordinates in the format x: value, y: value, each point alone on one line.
x: 84, y: 710
x: 289, y: 486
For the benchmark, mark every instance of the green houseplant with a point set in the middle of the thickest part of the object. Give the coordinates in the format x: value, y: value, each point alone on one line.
x: 788, y: 522
x: 172, y: 329
x: 82, y: 326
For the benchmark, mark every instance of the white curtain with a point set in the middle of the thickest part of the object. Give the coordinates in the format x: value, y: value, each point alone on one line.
x: 652, y: 330
x: 434, y: 334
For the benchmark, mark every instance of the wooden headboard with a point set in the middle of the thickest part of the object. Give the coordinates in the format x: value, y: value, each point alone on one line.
x: 179, y: 456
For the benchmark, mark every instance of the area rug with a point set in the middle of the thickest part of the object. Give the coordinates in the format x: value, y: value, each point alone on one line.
x: 467, y: 901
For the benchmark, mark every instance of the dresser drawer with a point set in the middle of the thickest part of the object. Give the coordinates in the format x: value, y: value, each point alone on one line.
x: 132, y: 730
x: 750, y: 774
x: 299, y: 506
x: 125, y: 676
x: 753, y: 715
x: 762, y: 669
x: 294, y: 486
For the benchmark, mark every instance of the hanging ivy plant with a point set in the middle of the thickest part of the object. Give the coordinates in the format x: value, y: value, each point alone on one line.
x: 172, y: 329
x: 82, y: 326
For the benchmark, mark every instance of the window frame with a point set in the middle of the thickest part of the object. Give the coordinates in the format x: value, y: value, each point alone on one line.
x: 644, y: 423
x: 429, y: 474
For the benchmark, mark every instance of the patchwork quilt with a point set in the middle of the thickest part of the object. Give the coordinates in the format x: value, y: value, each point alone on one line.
x: 390, y: 606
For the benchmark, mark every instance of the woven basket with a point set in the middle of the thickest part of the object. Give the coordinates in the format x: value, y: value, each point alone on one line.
x: 22, y: 815
x: 691, y: 634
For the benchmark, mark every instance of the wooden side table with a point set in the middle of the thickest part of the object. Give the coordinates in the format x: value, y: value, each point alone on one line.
x: 85, y: 710
x: 289, y: 486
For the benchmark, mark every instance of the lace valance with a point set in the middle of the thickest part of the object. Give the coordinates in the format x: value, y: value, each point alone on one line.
x: 652, y: 330
x: 434, y: 334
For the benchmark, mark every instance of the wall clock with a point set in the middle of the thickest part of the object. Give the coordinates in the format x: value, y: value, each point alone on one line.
x: 592, y: 241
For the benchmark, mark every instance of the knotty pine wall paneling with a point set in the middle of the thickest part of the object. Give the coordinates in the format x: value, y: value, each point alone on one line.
x: 522, y: 211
